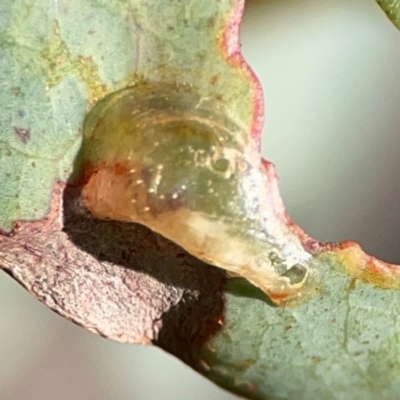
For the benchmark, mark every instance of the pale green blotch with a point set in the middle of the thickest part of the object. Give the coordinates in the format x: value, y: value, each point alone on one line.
x: 27, y: 23
x: 102, y: 30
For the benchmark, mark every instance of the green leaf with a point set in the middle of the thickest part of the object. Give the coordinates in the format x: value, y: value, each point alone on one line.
x: 62, y: 64
x: 342, y: 345
x: 392, y: 10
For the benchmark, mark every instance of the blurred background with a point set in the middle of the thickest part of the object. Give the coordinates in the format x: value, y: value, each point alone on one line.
x: 330, y: 71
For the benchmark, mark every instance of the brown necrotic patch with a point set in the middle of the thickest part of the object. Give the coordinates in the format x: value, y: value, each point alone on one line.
x: 22, y: 133
x: 183, y: 294
x: 119, y: 280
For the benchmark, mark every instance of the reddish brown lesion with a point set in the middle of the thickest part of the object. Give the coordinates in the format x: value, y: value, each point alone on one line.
x: 108, y: 191
x: 120, y: 190
x: 121, y: 168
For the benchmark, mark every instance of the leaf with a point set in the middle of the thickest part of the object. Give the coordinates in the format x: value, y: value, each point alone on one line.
x: 120, y: 281
x: 124, y: 282
x: 392, y: 10
x: 58, y: 59
x: 342, y: 345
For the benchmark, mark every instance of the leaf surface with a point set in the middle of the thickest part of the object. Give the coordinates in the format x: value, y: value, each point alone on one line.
x: 124, y: 282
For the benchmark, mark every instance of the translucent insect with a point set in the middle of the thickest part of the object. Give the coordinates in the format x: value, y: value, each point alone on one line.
x: 161, y: 156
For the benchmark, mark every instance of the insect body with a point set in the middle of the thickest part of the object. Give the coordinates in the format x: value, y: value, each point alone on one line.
x: 188, y: 172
